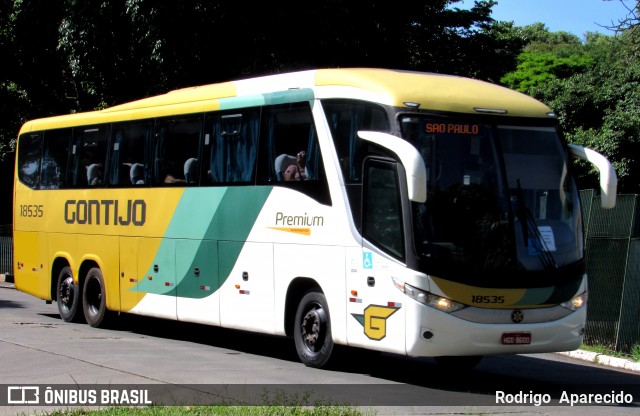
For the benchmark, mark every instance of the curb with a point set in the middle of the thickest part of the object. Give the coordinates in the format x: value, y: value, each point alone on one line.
x: 6, y: 281
x: 597, y: 358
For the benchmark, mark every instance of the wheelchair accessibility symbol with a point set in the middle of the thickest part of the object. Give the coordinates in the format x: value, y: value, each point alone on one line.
x: 367, y: 260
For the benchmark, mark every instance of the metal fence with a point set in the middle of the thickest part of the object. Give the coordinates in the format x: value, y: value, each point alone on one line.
x: 613, y: 266
x: 6, y: 249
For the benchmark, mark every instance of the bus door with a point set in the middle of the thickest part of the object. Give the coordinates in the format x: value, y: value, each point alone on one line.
x: 376, y: 318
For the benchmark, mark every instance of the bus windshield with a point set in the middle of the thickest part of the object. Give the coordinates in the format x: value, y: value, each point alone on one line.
x: 500, y: 201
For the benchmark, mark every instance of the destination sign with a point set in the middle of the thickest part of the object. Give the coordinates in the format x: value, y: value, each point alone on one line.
x: 452, y: 128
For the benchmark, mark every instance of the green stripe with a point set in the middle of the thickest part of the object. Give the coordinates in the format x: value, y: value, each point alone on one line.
x: 272, y: 98
x: 203, y: 217
x: 536, y: 296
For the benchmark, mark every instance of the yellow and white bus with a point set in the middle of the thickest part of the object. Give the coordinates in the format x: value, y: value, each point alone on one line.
x: 412, y: 213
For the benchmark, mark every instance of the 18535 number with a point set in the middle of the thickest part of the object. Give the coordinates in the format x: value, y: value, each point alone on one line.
x: 487, y: 299
x: 31, y: 211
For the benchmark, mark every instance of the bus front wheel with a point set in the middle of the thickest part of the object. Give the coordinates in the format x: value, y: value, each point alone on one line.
x: 94, y: 300
x: 312, y: 330
x: 67, y: 295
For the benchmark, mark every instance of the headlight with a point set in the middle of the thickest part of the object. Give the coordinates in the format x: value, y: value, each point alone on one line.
x: 426, y: 298
x: 576, y: 302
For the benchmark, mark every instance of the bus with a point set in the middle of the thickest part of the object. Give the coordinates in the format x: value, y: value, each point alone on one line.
x: 412, y: 213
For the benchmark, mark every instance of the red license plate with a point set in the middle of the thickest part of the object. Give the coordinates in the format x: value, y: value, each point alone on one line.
x: 516, y: 338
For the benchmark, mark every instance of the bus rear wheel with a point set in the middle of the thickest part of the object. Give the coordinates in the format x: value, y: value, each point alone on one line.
x: 312, y: 330
x: 94, y: 300
x: 67, y: 296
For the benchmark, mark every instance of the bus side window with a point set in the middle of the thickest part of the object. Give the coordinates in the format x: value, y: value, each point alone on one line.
x: 55, y: 158
x: 289, y: 149
x: 29, y: 153
x: 176, y: 148
x: 290, y: 152
x: 231, y: 146
x: 129, y: 160
x: 345, y: 119
x: 89, y: 156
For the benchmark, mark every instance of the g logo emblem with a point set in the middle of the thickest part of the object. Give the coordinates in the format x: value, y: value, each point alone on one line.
x: 374, y: 320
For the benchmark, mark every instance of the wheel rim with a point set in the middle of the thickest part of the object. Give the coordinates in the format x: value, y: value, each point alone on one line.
x: 313, y: 328
x: 67, y: 293
x: 94, y: 297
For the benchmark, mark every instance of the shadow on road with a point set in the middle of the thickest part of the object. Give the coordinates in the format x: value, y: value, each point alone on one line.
x: 6, y: 304
x: 509, y: 373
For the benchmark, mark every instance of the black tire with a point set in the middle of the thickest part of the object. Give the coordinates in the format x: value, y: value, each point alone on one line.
x: 464, y: 363
x: 94, y: 299
x: 312, y: 330
x: 67, y: 296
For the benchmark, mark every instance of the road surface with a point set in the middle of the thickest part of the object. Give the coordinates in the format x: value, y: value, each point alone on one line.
x: 170, y: 362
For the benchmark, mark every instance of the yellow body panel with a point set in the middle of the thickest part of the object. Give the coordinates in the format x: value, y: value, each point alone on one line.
x: 431, y: 91
x: 434, y: 91
x: 47, y: 234
x: 31, y: 269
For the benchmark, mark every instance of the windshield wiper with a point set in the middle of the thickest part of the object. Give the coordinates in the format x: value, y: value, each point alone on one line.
x: 530, y: 227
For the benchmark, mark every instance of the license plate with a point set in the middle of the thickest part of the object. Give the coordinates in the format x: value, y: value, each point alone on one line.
x: 516, y: 338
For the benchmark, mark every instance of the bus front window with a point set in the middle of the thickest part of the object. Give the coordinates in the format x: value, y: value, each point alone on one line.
x: 500, y: 201
x: 544, y: 198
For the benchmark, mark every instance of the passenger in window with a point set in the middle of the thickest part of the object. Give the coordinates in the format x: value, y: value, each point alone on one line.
x: 191, y: 170
x: 172, y: 179
x: 171, y: 176
x: 297, y: 171
x: 94, y: 174
x: 136, y: 173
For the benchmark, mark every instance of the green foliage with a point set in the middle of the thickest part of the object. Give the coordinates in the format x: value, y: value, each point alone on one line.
x: 599, y: 109
x: 273, y: 403
x: 216, y: 410
x: 545, y: 57
x: 77, y: 55
x: 635, y: 353
x: 594, y: 87
x: 539, y: 34
x: 536, y: 69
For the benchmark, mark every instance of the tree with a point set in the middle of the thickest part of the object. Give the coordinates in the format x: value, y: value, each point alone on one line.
x: 31, y: 73
x: 545, y: 57
x: 536, y: 69
x: 597, y: 108
x: 78, y: 55
x: 630, y: 21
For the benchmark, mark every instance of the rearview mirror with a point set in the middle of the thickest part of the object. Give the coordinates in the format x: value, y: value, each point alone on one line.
x: 410, y: 159
x: 608, y: 177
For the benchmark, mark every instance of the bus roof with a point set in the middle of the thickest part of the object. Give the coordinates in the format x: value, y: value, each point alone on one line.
x: 429, y: 91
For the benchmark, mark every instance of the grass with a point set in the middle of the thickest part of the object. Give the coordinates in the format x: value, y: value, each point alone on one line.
x: 634, y: 355
x: 216, y: 410
x: 273, y: 405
